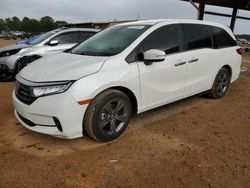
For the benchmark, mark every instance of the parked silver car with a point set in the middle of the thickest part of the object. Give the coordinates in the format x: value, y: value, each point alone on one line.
x: 14, y: 58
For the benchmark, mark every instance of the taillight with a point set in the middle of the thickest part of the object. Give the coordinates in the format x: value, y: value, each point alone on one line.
x: 239, y: 51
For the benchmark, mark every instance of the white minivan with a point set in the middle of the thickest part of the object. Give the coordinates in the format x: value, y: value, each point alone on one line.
x: 124, y: 70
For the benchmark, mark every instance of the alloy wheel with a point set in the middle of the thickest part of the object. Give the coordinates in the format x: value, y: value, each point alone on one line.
x: 222, y: 83
x: 112, y: 117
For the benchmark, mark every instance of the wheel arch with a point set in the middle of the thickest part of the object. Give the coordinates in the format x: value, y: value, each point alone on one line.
x: 131, y: 96
x: 229, y: 68
x: 22, y: 60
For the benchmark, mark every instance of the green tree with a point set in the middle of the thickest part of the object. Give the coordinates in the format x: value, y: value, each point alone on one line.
x: 16, y: 23
x: 25, y: 24
x: 30, y: 25
x: 47, y: 24
x: 3, y: 26
x: 34, y: 26
x: 10, y: 24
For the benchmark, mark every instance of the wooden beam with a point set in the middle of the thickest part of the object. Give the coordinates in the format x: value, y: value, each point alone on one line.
x: 217, y: 14
x: 248, y: 5
x: 225, y: 15
x: 240, y: 4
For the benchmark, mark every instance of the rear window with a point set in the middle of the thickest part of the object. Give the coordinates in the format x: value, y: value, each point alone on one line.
x: 197, y: 36
x: 222, y: 39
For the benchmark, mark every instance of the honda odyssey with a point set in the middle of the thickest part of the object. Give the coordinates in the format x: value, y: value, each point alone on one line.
x: 124, y: 70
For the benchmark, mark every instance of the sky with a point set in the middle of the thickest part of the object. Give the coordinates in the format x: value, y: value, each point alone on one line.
x: 74, y: 11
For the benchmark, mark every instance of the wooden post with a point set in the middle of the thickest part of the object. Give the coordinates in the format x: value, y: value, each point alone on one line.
x: 201, y: 10
x: 233, y: 19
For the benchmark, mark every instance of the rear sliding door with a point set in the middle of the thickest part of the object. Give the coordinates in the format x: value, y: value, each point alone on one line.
x: 202, y: 59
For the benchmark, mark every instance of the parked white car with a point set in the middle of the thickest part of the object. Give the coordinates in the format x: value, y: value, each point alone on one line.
x: 13, y: 58
x: 124, y: 70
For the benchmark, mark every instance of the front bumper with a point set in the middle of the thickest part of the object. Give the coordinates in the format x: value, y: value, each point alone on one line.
x: 44, y: 110
x: 9, y: 61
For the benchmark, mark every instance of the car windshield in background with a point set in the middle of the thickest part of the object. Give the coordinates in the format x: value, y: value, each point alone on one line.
x: 43, y: 37
x: 111, y: 41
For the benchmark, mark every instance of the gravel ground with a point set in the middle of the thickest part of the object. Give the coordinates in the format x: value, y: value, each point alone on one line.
x: 197, y: 142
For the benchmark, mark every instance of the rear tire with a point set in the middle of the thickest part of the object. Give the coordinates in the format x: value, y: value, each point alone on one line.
x: 108, y: 115
x: 221, y: 84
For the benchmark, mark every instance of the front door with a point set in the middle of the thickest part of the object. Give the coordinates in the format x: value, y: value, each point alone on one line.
x: 162, y: 82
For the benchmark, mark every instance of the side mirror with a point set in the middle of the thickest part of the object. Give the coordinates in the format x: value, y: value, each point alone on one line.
x: 154, y: 55
x: 53, y: 42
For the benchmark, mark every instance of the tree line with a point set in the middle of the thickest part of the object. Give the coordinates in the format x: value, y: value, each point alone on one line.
x: 244, y: 36
x: 45, y: 24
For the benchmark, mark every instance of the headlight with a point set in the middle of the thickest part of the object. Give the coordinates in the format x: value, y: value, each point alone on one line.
x: 9, y: 52
x: 50, y: 90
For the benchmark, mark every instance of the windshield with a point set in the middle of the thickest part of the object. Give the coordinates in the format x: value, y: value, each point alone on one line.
x: 43, y: 37
x: 111, y: 41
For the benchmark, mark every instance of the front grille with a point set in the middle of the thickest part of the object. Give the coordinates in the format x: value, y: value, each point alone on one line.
x: 23, y: 93
x: 9, y: 52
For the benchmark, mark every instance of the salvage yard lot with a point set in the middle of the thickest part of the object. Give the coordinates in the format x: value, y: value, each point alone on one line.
x: 197, y: 142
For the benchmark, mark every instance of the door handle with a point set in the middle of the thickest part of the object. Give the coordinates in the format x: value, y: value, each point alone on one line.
x: 193, y: 60
x: 180, y: 64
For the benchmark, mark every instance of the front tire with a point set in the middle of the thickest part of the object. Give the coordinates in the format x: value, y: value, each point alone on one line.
x: 221, y: 84
x: 108, y: 115
x: 5, y: 76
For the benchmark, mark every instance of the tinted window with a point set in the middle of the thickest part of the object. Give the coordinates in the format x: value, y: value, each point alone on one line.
x: 165, y: 39
x: 197, y: 36
x: 43, y: 37
x: 82, y: 36
x: 66, y: 38
x: 222, y: 38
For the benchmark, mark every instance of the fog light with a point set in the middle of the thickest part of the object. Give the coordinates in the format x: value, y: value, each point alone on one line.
x: 58, y: 124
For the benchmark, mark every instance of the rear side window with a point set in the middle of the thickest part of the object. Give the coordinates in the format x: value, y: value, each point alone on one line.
x: 66, y: 38
x: 166, y: 38
x: 222, y: 39
x: 197, y: 36
x: 82, y: 36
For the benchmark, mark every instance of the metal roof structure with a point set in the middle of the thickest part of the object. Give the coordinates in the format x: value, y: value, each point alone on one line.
x: 234, y: 4
x: 98, y: 25
x: 239, y: 4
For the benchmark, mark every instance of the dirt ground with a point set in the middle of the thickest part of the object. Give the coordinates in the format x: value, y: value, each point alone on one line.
x: 7, y: 42
x: 198, y: 142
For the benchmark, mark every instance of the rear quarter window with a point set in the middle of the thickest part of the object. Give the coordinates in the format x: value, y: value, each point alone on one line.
x: 222, y: 39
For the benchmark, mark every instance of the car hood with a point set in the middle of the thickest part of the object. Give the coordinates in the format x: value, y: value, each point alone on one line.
x: 61, y: 67
x: 14, y: 47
